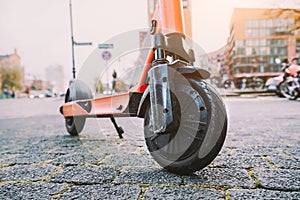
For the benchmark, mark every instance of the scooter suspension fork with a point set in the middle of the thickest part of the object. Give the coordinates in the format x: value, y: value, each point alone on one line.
x: 160, y: 94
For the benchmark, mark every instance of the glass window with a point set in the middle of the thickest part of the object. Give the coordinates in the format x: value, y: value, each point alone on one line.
x: 263, y: 32
x: 269, y: 23
x: 298, y: 46
x: 255, y: 32
x: 262, y: 23
x: 248, y: 51
x: 239, y: 43
x: 256, y: 43
x: 240, y: 51
x: 249, y: 42
x: 282, y: 51
x: 250, y: 23
x: 275, y: 22
x: 255, y: 23
x: 285, y: 22
x: 249, y: 32
x: 290, y: 21
x: 263, y: 42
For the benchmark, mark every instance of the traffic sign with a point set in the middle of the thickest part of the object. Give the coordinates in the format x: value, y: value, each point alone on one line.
x: 105, y: 46
x: 106, y: 55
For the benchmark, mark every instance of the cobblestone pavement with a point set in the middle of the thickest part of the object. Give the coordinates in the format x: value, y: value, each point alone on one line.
x: 39, y: 160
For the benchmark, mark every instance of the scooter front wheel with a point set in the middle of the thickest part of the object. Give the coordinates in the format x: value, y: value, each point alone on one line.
x: 197, y: 132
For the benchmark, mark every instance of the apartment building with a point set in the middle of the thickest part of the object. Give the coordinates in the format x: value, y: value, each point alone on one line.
x: 258, y: 39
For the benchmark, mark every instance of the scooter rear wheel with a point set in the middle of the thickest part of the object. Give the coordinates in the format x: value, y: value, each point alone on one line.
x: 74, y: 125
x: 78, y: 90
x: 197, y: 132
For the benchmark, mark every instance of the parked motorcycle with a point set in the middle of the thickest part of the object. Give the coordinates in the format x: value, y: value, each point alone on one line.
x: 290, y: 86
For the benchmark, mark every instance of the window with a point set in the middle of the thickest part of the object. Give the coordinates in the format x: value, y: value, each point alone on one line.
x: 269, y: 27
x: 298, y: 45
x: 239, y: 43
x: 240, y: 51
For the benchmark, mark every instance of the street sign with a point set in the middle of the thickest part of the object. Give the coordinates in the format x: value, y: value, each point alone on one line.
x: 83, y: 43
x: 105, y: 46
x: 106, y: 55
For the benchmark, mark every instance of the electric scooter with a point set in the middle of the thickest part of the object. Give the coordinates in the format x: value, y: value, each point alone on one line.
x: 185, y: 120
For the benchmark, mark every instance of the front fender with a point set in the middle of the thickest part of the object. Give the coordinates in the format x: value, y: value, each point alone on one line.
x: 144, y: 103
x: 185, y: 71
x: 193, y: 72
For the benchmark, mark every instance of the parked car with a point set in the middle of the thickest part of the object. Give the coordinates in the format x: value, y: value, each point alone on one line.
x: 272, y: 84
x: 40, y: 94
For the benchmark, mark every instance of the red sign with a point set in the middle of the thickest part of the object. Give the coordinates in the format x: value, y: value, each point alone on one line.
x: 106, y: 55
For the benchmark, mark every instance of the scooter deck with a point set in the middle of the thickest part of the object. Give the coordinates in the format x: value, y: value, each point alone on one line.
x: 120, y: 105
x: 97, y: 107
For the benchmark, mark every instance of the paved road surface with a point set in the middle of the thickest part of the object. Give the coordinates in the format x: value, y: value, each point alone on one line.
x: 259, y: 160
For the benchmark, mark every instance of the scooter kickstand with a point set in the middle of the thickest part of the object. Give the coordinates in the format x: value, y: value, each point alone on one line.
x: 118, y: 128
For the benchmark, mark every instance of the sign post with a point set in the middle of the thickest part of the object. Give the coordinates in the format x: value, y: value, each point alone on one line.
x: 106, y: 56
x: 75, y: 43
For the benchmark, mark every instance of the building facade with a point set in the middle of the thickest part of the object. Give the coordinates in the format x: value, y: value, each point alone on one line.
x: 259, y: 39
x: 219, y: 59
x: 11, y: 72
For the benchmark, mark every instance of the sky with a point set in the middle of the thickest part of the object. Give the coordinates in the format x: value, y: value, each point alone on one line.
x: 40, y: 29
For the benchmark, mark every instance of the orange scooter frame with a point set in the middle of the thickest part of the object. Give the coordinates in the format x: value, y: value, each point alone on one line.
x: 167, y: 17
x: 185, y: 120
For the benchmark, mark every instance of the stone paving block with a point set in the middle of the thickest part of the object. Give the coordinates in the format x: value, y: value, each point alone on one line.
x: 68, y: 142
x: 225, y: 151
x: 292, y: 139
x: 127, y: 148
x: 259, y: 140
x: 77, y: 159
x: 32, y: 146
x: 233, y: 141
x: 29, y: 158
x: 285, y: 162
x: 70, y: 150
x: 128, y: 160
x: 146, y: 175
x: 103, y: 191
x: 261, y: 194
x: 5, y: 157
x: 240, y: 162
x: 26, y: 172
x: 278, y: 179
x: 292, y: 151
x: 163, y: 193
x: 85, y: 175
x: 8, y: 149
x: 256, y: 151
x: 113, y: 149
x: 30, y: 190
x: 221, y: 177
x: 31, y: 149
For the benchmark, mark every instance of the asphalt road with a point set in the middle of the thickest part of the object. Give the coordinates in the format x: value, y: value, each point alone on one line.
x: 39, y: 160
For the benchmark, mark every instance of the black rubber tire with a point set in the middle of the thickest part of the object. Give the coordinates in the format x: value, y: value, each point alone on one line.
x: 78, y: 90
x: 207, y: 141
x: 259, y: 84
x: 284, y: 91
x: 74, y: 125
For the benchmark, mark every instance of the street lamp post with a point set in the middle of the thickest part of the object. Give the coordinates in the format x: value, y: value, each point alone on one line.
x: 75, y: 43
